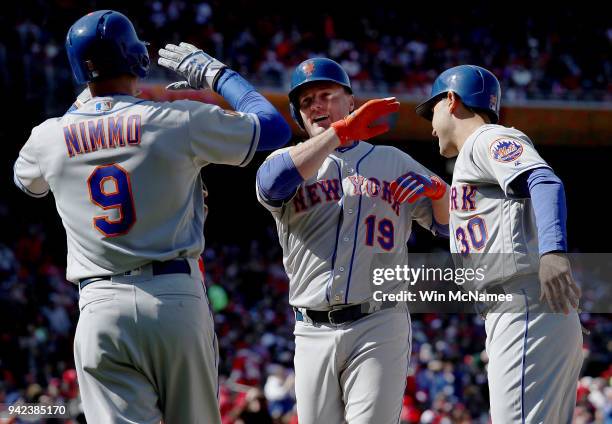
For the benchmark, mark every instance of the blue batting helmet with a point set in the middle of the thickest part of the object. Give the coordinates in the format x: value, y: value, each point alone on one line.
x: 477, y: 88
x: 104, y: 44
x: 311, y: 70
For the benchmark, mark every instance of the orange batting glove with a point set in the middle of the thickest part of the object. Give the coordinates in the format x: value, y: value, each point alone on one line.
x: 356, y: 126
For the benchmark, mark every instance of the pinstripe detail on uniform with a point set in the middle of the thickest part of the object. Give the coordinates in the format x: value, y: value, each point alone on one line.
x: 333, y: 262
x: 348, y: 282
x: 524, y: 357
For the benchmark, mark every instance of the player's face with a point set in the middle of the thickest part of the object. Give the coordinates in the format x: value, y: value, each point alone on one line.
x: 322, y: 103
x: 443, y: 125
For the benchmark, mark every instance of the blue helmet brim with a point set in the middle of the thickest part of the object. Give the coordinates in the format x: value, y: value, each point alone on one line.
x: 425, y: 109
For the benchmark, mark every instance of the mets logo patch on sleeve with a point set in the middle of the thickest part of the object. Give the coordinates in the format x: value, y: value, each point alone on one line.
x: 506, y: 149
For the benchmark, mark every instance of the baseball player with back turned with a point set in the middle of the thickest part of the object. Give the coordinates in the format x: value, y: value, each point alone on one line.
x: 337, y: 222
x: 508, y: 214
x: 125, y: 174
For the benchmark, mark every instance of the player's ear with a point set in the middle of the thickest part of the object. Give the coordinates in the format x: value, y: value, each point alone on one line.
x: 351, y: 103
x: 453, y: 101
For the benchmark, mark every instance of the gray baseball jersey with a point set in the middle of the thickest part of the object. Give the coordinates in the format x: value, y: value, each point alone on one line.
x: 534, y: 355
x: 343, y: 222
x: 125, y: 175
x: 486, y: 219
x: 340, y: 225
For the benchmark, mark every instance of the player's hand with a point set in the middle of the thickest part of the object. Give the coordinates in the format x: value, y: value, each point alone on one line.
x: 412, y: 186
x: 557, y: 285
x: 356, y: 126
x: 198, y: 68
x: 81, y: 99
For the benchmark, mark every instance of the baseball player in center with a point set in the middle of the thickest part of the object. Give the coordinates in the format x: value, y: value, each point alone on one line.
x: 337, y: 221
x: 507, y: 213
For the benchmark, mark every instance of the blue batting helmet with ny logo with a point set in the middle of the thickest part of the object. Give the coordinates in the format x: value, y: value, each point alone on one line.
x: 104, y: 44
x: 311, y: 70
x: 477, y: 87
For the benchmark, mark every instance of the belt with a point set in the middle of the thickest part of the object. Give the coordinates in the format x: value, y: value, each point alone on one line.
x: 339, y: 316
x: 174, y: 266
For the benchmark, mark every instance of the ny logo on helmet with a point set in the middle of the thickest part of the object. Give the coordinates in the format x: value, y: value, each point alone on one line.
x: 308, y: 68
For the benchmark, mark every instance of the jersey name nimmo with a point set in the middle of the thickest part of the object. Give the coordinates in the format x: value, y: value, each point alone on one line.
x: 102, y: 133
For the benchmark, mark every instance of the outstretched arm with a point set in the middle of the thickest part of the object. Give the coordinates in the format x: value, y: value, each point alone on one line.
x: 309, y: 156
x: 203, y: 71
x: 279, y: 176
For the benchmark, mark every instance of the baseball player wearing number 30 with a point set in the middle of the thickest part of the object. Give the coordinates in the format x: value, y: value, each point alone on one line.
x: 125, y: 174
x: 508, y: 213
x: 337, y: 221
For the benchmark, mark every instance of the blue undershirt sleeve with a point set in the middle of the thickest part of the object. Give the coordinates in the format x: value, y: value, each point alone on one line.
x: 274, y: 130
x: 278, y: 178
x: 548, y: 199
x: 441, y: 229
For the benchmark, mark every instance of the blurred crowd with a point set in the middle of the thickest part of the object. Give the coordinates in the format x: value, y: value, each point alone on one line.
x: 536, y: 53
x: 563, y: 55
x: 247, y: 288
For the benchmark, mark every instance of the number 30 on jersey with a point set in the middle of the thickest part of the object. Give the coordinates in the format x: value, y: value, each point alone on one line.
x: 471, y: 237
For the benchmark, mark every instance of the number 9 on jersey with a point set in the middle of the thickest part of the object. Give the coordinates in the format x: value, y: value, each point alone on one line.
x: 110, y: 188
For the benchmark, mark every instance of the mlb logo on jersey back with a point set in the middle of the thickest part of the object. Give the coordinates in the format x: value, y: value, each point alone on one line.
x: 506, y: 150
x: 104, y: 106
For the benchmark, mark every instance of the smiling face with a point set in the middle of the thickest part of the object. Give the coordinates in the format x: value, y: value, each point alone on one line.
x: 321, y: 103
